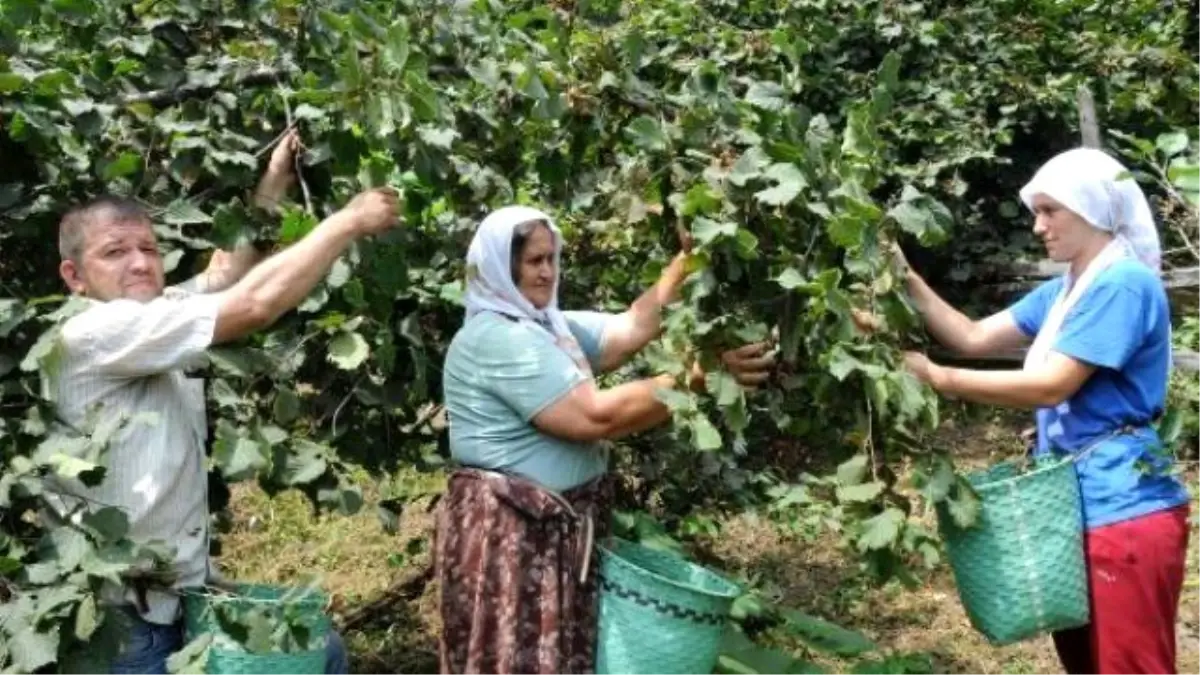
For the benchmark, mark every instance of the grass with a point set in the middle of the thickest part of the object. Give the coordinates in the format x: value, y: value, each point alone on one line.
x: 279, y: 540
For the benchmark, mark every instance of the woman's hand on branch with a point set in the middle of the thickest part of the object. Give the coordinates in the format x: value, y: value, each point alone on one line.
x: 750, y: 364
x: 919, y: 365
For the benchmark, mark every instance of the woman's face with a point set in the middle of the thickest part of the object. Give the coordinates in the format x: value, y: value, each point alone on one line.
x: 1064, y: 233
x: 536, y: 271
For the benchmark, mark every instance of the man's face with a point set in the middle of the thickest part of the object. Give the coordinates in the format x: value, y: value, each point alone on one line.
x: 119, y: 259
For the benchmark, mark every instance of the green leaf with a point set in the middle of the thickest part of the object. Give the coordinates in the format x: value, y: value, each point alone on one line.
x: 193, y: 658
x: 767, y: 95
x: 863, y: 492
x: 964, y: 505
x: 171, y: 260
x: 127, y: 163
x: 790, y: 279
x: 700, y: 198
x: 842, y: 363
x: 881, y: 530
x: 9, y: 566
x: 237, y: 456
x: 348, y: 501
x: 286, y: 407
x: 222, y: 392
x: 1172, y: 143
x: 442, y: 138
x: 339, y: 273
x: 675, y: 400
x: 297, y: 223
x: 10, y: 82
x: 749, y: 166
x: 854, y: 470
x: 647, y: 133
x: 789, y: 181
x: 109, y: 522
x: 85, y: 618
x: 69, y: 466
x: 845, y: 229
x: 706, y: 230
x: 42, y: 353
x: 305, y: 464
x: 70, y: 546
x: 738, y: 655
x: 348, y: 350
x: 938, y: 485
x: 180, y: 212
x: 395, y: 53
x: 826, y: 636
x: 1171, y: 426
x: 30, y: 649
x: 704, y: 434
x: 724, y: 387
x: 1185, y: 177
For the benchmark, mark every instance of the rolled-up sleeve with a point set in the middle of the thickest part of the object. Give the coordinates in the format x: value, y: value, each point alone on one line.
x: 126, y: 338
x: 589, y: 329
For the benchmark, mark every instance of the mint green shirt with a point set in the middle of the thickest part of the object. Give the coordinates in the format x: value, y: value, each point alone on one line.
x: 499, y: 374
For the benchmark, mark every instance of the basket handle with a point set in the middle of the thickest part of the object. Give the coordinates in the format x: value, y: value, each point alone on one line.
x: 1081, y: 455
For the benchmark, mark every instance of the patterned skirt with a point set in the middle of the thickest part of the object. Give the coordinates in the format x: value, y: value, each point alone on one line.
x: 516, y: 567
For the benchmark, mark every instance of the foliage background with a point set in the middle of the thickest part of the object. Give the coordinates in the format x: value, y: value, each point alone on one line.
x: 793, y: 137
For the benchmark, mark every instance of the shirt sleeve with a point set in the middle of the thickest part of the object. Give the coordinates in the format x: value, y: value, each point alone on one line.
x: 1030, y: 311
x: 1105, y: 327
x: 127, y: 338
x: 588, y: 329
x: 528, y: 373
x: 196, y: 285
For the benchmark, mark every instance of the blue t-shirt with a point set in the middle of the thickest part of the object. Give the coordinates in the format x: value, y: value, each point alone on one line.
x: 1122, y: 325
x: 499, y: 374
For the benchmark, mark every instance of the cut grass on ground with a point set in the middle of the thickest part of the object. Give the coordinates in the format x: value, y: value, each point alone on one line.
x: 279, y: 541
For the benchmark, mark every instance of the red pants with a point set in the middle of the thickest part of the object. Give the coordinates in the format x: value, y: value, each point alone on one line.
x: 1135, y: 575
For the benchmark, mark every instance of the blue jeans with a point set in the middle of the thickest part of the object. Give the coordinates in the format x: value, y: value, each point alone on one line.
x: 150, y: 644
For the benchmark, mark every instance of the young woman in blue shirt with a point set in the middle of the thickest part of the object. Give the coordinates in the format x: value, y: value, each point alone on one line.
x: 1096, y: 375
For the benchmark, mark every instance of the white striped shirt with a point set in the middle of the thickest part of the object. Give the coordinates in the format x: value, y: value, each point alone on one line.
x: 130, y: 358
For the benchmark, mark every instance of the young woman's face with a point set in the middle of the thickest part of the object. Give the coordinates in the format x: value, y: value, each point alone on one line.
x: 1064, y: 233
x: 536, y: 271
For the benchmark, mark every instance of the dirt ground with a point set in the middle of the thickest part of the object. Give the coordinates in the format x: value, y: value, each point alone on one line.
x: 278, y: 541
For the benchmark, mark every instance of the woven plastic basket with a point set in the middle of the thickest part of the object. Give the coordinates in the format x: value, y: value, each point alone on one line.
x: 202, y: 606
x: 1020, y: 569
x: 659, y: 613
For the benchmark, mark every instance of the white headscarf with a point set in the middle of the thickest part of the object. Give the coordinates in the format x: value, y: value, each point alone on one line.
x: 1104, y: 193
x: 1101, y: 191
x: 490, y: 286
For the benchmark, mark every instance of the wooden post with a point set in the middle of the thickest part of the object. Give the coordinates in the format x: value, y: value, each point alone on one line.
x: 1089, y: 127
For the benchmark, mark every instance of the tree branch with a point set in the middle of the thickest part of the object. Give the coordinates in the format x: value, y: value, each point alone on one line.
x: 404, y: 589
x: 162, y: 98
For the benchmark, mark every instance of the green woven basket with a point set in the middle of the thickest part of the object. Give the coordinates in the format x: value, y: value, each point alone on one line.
x: 201, y: 607
x: 658, y: 612
x: 1020, y: 569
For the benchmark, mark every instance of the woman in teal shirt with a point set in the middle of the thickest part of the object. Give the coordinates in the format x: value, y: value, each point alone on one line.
x: 515, y: 537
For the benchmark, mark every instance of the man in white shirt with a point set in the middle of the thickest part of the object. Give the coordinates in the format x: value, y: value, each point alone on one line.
x: 128, y: 353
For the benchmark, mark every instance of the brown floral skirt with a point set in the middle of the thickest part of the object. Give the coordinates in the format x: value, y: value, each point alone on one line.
x: 516, y: 565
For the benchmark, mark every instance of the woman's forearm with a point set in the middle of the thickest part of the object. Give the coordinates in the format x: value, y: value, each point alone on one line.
x: 1015, y: 388
x: 949, y: 326
x: 635, y: 328
x: 634, y: 406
